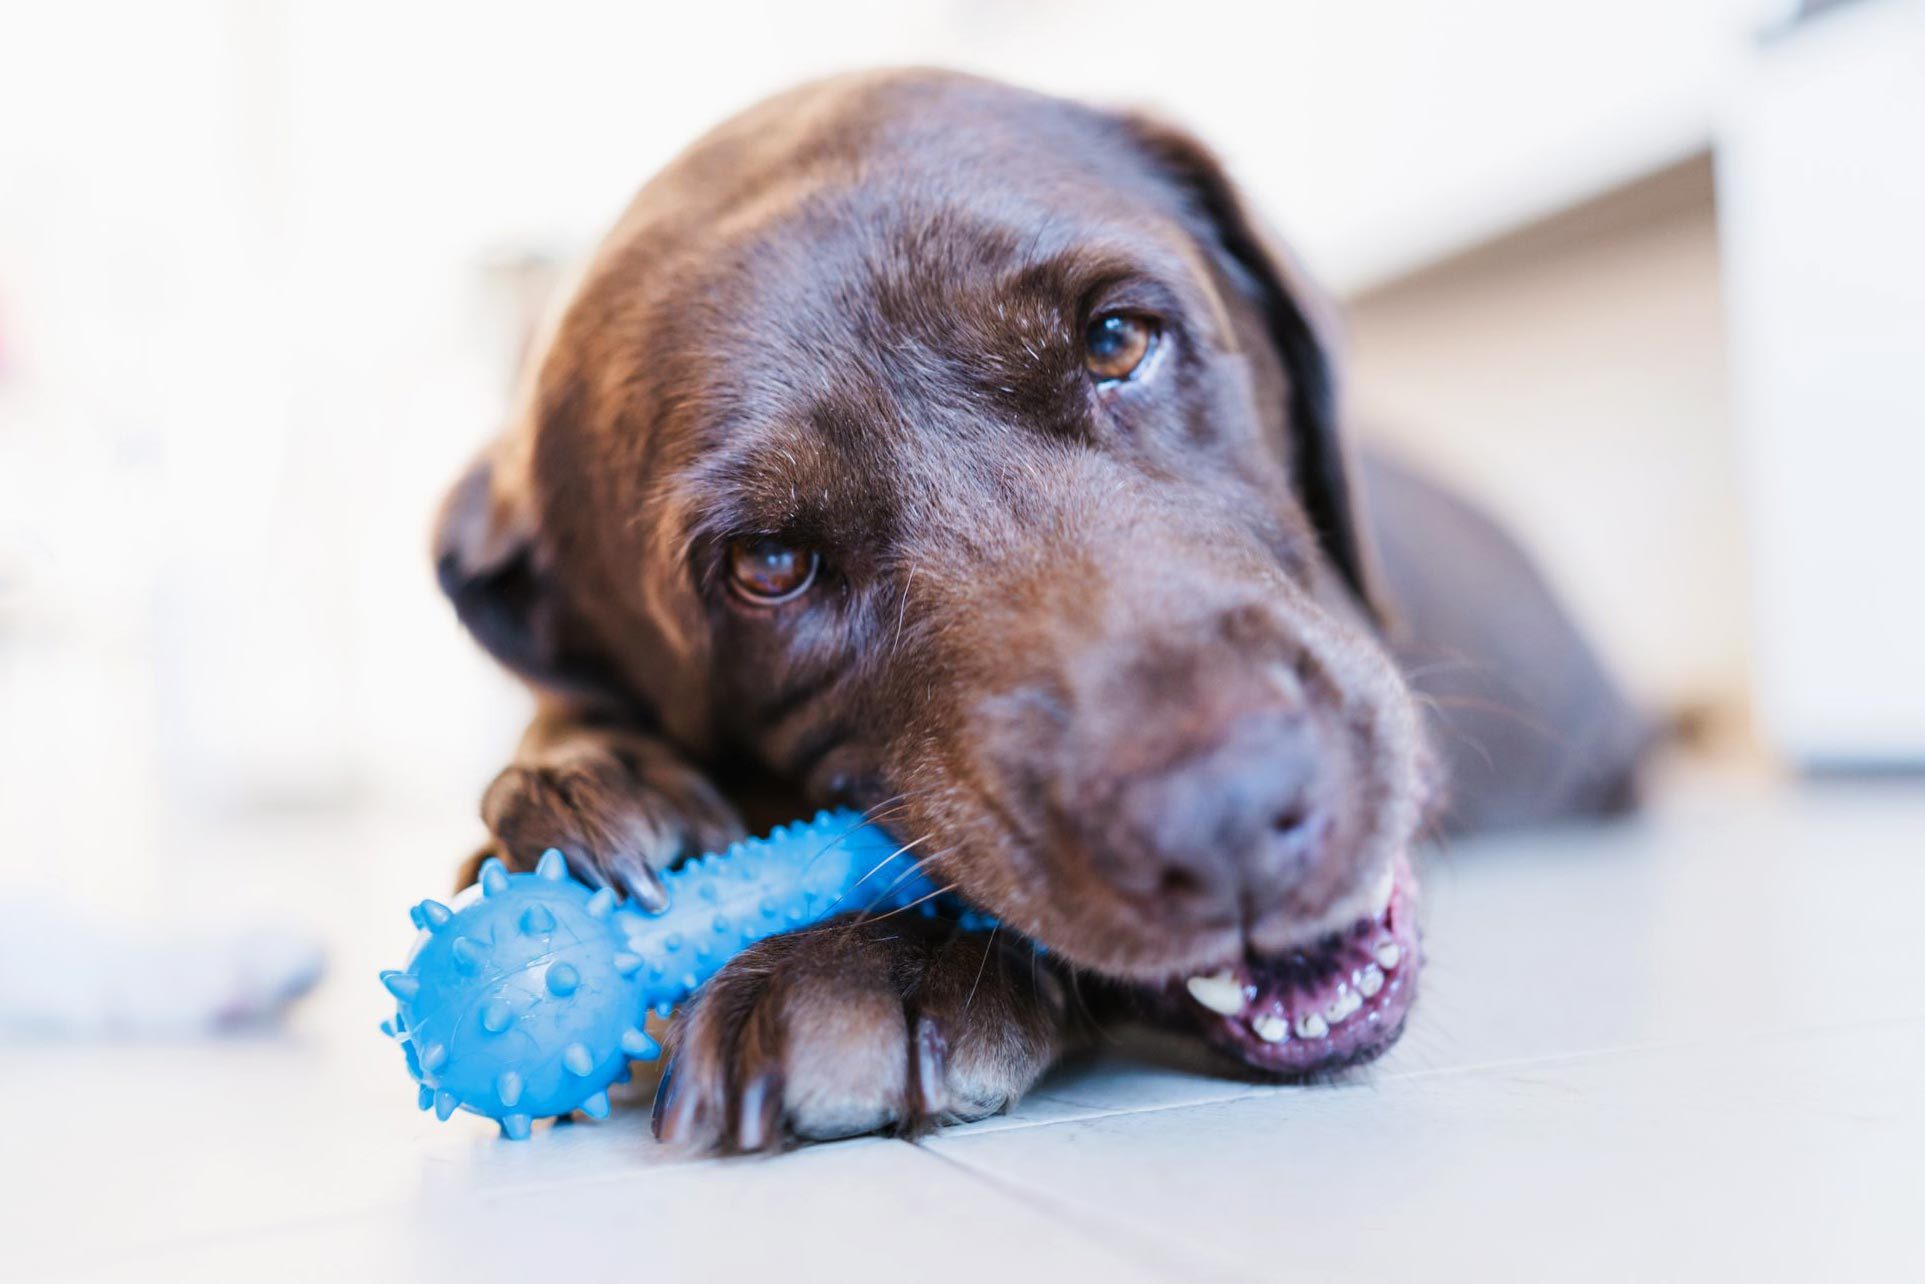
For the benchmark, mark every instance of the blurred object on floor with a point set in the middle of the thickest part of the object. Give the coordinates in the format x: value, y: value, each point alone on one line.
x: 67, y: 971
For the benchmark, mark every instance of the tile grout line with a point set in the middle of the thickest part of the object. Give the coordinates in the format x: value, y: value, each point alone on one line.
x: 1092, y: 1114
x: 1170, y: 1261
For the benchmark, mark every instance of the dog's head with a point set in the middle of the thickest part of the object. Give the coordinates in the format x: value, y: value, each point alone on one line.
x: 971, y: 455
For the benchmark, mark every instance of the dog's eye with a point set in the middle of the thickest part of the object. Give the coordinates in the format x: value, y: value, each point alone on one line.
x: 1115, y: 343
x: 765, y: 571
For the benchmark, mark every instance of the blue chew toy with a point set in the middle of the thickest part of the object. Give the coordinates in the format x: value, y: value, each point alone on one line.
x: 526, y: 998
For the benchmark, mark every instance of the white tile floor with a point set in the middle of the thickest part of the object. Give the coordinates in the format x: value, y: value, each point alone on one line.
x: 1686, y: 1047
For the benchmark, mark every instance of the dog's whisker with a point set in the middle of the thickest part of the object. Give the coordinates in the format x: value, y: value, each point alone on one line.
x: 988, y: 945
x: 902, y: 613
x: 914, y: 868
x: 931, y: 895
x: 907, y: 874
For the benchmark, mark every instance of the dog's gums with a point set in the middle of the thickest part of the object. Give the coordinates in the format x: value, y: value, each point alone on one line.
x: 1338, y: 1001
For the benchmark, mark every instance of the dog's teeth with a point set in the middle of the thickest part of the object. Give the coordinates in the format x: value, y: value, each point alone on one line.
x: 1312, y: 1026
x: 1380, y: 893
x: 1343, y: 1005
x: 1370, y: 980
x: 1271, y: 1027
x: 1389, y: 954
x: 1219, y: 992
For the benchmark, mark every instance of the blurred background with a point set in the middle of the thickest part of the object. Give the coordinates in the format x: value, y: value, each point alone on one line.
x: 1644, y: 276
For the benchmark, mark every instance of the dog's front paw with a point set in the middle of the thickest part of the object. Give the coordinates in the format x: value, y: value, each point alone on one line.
x: 618, y: 813
x: 855, y: 1026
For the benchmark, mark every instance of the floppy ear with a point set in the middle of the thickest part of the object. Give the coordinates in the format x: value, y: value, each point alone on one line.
x: 490, y: 561
x: 1302, y: 328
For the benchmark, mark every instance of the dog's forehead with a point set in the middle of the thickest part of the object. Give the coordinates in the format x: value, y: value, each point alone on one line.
x: 880, y: 301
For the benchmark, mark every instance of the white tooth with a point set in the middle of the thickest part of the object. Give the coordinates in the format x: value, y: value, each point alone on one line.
x: 1380, y: 893
x: 1390, y: 954
x: 1312, y: 1026
x: 1370, y: 980
x: 1218, y: 992
x: 1343, y: 1005
x: 1271, y: 1028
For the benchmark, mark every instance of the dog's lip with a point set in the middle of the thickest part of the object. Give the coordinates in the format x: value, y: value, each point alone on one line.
x: 1338, y: 1001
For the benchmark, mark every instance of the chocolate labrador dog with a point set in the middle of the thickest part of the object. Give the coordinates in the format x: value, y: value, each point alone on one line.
x: 971, y: 457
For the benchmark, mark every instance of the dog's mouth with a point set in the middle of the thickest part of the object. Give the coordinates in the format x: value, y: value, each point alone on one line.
x: 1336, y: 1001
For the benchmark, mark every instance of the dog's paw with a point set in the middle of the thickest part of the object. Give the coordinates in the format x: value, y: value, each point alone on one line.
x: 855, y: 1026
x: 618, y: 813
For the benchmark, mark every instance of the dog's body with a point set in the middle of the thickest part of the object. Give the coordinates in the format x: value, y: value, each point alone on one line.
x: 937, y: 448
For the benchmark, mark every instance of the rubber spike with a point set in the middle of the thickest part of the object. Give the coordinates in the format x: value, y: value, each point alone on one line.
x: 424, y: 1096
x: 537, y: 919
x: 601, y: 903
x: 435, y: 914
x: 401, y: 985
x: 596, y: 1107
x: 515, y: 1127
x: 387, y: 1028
x: 414, y: 916
x: 497, y: 1016
x: 552, y: 866
x: 494, y: 877
x: 563, y: 980
x: 467, y: 955
x: 508, y: 1088
x: 433, y: 1055
x: 637, y: 1044
x: 627, y: 964
x: 444, y: 1104
x: 576, y: 1057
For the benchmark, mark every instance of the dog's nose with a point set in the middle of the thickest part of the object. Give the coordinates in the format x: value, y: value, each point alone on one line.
x: 1214, y: 838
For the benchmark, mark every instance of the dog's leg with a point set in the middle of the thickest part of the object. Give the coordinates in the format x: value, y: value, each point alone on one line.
x: 857, y: 1025
x: 620, y: 804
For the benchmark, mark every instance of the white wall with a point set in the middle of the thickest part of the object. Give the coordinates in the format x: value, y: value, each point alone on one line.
x: 1573, y: 378
x: 1823, y: 171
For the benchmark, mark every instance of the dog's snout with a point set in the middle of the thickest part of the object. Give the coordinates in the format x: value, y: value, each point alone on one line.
x: 1212, y: 838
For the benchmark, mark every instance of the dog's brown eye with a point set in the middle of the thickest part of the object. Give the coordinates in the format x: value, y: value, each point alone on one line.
x: 1115, y: 344
x: 765, y: 570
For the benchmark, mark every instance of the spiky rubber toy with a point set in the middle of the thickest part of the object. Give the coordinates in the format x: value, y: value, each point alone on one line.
x: 526, y: 998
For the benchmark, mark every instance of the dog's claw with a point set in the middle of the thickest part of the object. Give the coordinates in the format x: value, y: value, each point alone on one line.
x: 664, y: 1092
x: 645, y: 888
x: 758, y: 1112
x: 928, y: 1065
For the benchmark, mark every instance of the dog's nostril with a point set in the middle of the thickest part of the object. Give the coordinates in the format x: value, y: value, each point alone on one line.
x: 1178, y: 883
x: 1290, y: 819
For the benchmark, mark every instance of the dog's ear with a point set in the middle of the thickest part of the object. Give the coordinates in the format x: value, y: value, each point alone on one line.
x: 491, y: 562
x: 1302, y: 328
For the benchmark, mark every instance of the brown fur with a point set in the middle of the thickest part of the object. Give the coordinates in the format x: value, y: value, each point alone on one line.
x: 1107, y: 656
